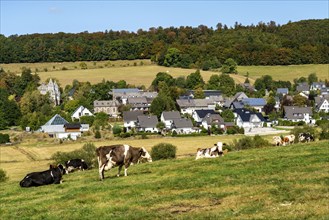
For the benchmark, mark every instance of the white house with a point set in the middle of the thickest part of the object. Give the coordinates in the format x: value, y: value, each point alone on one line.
x: 321, y: 104
x: 183, y: 126
x: 248, y: 119
x: 168, y: 118
x: 188, y: 106
x: 81, y: 111
x: 296, y: 114
x: 147, y: 123
x: 198, y: 115
x: 130, y: 119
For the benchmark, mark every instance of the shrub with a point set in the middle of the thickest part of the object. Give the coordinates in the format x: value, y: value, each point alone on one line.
x: 87, y: 153
x: 163, y: 151
x: 3, y: 176
x: 4, y: 138
x: 87, y: 120
x: 98, y: 134
x: 249, y: 142
x: 116, y: 129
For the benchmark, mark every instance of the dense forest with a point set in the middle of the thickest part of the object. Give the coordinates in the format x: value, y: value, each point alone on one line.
x: 303, y: 42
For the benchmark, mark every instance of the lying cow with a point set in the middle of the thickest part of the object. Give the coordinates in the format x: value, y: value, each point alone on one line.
x: 119, y: 155
x: 53, y: 175
x: 75, y: 164
x: 211, y: 152
x: 305, y: 137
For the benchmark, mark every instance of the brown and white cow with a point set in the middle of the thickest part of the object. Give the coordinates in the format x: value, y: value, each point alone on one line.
x: 289, y: 139
x: 211, y: 152
x: 119, y: 155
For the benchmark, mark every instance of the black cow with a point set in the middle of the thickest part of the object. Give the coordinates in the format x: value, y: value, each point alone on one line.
x: 119, y: 155
x: 75, y: 164
x: 305, y: 137
x: 53, y: 175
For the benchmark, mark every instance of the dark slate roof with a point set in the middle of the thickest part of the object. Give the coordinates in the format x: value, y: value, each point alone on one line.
x: 137, y: 100
x: 147, y: 121
x: 171, y: 115
x: 131, y: 115
x: 182, y: 123
x: 295, y: 112
x: 57, y: 120
x: 73, y: 125
x: 245, y: 114
x: 203, y: 113
x: 254, y: 101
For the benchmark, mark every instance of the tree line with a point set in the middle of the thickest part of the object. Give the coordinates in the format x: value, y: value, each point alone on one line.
x: 303, y: 42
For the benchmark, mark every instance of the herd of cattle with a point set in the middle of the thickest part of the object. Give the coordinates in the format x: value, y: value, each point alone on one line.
x: 108, y: 157
x: 290, y: 139
x: 124, y: 155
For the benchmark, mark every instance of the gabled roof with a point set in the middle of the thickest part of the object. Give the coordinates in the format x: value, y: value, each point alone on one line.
x: 137, y: 100
x: 237, y: 105
x: 131, y: 115
x: 193, y: 102
x: 239, y: 96
x: 171, y: 115
x: 80, y: 109
x: 302, y: 87
x: 246, y: 114
x: 282, y: 91
x: 182, y: 123
x: 254, y: 101
x: 147, y: 121
x: 106, y: 103
x: 295, y: 112
x: 213, y: 118
x: 203, y: 113
x: 124, y: 91
x: 57, y: 120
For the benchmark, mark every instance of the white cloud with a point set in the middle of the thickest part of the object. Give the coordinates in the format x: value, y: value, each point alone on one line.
x: 54, y: 10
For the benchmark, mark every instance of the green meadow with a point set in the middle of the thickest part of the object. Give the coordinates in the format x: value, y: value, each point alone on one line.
x: 289, y: 182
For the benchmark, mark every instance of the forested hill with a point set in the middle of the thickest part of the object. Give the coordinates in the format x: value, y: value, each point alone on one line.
x: 302, y: 42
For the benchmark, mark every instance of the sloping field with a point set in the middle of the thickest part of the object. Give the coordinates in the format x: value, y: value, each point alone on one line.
x: 286, y: 73
x: 269, y: 183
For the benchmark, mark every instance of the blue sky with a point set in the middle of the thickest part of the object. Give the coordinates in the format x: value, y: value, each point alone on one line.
x: 27, y: 17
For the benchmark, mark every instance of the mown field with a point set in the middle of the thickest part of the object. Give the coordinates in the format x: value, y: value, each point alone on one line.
x: 268, y: 183
x: 136, y: 74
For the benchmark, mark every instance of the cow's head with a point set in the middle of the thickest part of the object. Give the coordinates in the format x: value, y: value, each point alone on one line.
x: 62, y: 169
x: 145, y: 155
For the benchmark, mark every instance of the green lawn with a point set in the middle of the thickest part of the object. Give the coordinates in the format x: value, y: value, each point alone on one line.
x: 268, y: 183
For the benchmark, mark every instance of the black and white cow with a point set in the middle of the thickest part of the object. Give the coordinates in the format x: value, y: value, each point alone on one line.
x: 211, y: 152
x: 75, y: 164
x: 119, y: 155
x: 53, y: 175
x: 305, y: 137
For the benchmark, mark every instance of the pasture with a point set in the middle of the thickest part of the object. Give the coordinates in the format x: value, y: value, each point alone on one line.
x: 268, y: 183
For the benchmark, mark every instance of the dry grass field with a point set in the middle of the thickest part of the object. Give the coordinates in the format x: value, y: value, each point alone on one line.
x: 136, y: 74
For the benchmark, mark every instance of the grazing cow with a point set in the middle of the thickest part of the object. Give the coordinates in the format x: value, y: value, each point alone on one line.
x: 75, y: 164
x: 305, y: 137
x: 119, y: 155
x: 277, y: 141
x: 53, y: 175
x: 289, y: 139
x: 211, y: 152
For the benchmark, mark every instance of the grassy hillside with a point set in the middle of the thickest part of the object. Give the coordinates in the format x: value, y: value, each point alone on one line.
x: 269, y: 183
x: 144, y: 74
